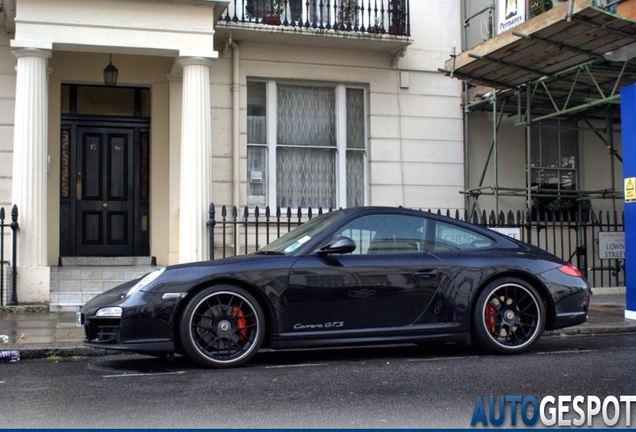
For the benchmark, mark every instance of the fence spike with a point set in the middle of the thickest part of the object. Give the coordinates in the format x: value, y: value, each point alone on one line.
x: 211, y: 212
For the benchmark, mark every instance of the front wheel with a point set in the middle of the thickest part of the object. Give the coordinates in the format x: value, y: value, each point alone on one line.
x: 222, y: 327
x: 509, y: 316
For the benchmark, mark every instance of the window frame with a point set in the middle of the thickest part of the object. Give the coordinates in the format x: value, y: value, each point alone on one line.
x: 341, y: 149
x: 538, y: 168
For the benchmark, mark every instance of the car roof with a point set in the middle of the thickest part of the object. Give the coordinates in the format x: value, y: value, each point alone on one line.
x: 434, y: 215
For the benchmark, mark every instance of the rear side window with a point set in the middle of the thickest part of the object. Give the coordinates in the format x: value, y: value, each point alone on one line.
x: 451, y: 237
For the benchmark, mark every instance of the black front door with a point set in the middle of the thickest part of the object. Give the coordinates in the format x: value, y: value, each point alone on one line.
x: 105, y: 191
x: 104, y: 171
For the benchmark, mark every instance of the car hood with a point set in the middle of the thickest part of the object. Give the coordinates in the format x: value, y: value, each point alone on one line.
x: 182, y: 277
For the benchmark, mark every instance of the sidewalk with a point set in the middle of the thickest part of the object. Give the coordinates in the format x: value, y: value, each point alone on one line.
x: 38, y: 333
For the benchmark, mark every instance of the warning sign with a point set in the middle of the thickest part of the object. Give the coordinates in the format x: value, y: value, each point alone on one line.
x: 630, y: 192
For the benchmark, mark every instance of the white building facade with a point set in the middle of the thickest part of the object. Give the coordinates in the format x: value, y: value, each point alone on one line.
x: 207, y: 109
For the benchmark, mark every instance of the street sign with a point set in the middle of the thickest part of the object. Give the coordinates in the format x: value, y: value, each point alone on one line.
x: 515, y: 233
x: 611, y: 245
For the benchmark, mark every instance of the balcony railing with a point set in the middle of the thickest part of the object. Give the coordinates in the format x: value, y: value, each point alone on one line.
x: 364, y: 16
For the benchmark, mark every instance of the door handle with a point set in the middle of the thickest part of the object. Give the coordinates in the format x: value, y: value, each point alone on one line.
x: 426, y: 273
x: 78, y: 187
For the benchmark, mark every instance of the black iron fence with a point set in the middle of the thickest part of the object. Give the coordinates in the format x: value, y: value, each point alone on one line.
x: 365, y: 16
x: 578, y: 238
x: 8, y: 293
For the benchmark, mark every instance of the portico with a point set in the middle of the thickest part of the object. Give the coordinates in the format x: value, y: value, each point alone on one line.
x: 165, y: 46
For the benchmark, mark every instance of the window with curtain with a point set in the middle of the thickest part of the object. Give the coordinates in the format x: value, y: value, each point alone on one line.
x: 355, y: 147
x: 310, y: 140
x: 257, y: 144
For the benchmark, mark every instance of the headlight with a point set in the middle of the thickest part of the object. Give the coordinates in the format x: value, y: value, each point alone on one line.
x: 145, y: 281
x: 109, y: 312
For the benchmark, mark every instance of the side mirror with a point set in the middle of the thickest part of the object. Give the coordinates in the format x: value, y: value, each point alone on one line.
x: 338, y: 245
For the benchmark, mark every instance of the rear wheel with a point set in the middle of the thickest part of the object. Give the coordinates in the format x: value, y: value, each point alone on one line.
x: 509, y: 316
x: 222, y: 326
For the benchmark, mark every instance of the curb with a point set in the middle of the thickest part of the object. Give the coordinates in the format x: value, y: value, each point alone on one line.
x: 40, y: 352
x: 31, y: 353
x: 591, y: 330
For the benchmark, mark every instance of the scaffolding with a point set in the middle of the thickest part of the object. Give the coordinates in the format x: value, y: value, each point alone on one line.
x: 569, y: 62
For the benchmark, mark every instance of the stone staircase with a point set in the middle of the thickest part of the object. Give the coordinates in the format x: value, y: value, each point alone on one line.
x: 78, y: 279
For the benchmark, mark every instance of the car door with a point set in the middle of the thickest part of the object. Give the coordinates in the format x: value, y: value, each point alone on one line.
x: 388, y: 281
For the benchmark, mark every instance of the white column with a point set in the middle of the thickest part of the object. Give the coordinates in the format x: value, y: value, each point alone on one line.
x: 196, y: 160
x: 29, y: 186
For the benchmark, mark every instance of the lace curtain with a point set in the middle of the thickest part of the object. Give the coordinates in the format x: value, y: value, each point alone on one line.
x: 355, y: 147
x: 307, y: 159
x: 306, y: 150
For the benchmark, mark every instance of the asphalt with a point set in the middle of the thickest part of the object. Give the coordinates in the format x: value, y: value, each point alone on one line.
x: 38, y: 333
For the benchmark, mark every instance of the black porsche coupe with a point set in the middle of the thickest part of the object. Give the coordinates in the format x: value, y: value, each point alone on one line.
x: 358, y: 276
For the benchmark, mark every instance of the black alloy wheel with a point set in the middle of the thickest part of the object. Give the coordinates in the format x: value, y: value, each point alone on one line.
x: 509, y: 316
x: 222, y: 326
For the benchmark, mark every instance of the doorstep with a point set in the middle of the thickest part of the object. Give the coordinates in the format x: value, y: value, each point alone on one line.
x: 78, y: 279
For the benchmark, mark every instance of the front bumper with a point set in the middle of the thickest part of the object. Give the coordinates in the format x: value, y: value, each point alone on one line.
x: 146, y: 324
x: 139, y: 335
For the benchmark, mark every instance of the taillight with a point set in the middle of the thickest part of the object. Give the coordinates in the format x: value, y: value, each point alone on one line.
x: 570, y: 270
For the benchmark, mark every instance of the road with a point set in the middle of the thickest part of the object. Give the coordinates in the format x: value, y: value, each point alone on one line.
x: 379, y: 387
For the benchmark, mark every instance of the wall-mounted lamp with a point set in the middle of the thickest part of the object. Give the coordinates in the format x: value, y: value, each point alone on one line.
x: 110, y: 73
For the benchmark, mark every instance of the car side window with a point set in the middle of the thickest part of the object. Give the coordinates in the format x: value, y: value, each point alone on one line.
x: 450, y: 237
x: 386, y: 234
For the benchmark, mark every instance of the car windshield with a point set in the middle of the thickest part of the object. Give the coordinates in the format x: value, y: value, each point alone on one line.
x: 294, y: 239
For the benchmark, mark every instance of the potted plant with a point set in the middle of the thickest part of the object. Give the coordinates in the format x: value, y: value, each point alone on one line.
x: 537, y: 7
x: 377, y: 26
x: 348, y: 13
x: 398, y: 13
x: 273, y: 10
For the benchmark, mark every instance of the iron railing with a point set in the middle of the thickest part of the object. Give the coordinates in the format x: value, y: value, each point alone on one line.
x: 365, y: 16
x: 571, y: 237
x: 8, y: 287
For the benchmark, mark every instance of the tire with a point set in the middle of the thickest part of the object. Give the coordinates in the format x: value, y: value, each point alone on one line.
x: 221, y: 327
x: 508, y: 317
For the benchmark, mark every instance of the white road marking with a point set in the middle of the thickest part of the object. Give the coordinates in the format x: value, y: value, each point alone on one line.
x: 298, y: 365
x: 125, y: 375
x: 566, y: 352
x: 442, y: 359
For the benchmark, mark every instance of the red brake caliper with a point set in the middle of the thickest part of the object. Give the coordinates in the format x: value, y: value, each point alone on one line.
x: 490, y: 318
x: 241, y: 322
